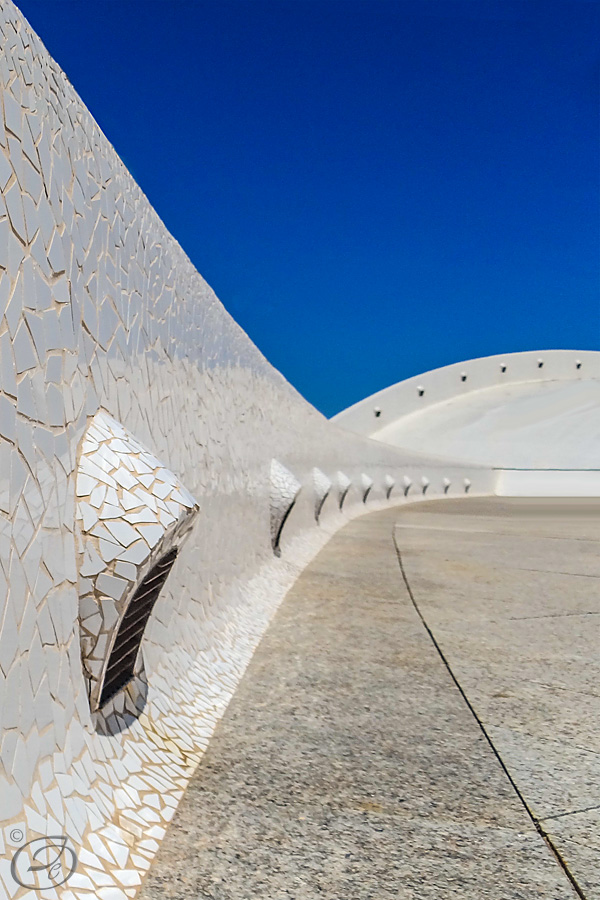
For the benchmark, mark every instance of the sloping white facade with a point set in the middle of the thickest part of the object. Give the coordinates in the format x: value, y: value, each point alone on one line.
x: 139, y: 426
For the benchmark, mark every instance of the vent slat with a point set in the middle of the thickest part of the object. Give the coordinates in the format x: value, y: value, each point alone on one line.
x: 121, y: 663
x: 119, y: 653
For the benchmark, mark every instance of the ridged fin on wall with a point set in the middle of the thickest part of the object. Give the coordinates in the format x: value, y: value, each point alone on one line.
x: 284, y: 489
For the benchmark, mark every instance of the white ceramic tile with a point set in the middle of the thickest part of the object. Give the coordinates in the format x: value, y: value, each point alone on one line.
x: 106, y: 319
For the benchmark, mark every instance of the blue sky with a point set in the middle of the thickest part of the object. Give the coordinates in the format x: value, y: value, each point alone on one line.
x: 373, y: 189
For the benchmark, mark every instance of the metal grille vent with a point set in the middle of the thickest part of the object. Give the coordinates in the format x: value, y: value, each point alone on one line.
x: 121, y: 663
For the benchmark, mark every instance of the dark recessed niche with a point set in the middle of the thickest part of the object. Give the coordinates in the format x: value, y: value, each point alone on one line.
x: 121, y: 663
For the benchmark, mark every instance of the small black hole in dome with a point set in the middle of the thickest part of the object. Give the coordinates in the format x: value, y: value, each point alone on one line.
x: 503, y: 368
x: 540, y: 363
x: 121, y: 662
x: 577, y: 365
x: 463, y: 377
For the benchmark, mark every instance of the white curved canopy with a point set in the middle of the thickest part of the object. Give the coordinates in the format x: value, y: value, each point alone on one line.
x: 521, y: 411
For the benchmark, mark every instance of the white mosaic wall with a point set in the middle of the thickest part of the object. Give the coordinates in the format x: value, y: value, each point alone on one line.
x: 120, y: 369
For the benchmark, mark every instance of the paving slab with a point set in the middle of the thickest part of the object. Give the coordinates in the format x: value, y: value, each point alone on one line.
x: 348, y: 764
x: 510, y: 591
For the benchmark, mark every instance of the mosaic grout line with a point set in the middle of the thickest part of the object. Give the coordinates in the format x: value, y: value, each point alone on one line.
x: 136, y: 417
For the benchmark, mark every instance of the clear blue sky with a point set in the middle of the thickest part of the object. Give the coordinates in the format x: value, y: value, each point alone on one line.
x: 373, y: 189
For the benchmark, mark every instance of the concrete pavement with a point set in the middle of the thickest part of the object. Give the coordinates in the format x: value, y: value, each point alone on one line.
x: 353, y: 760
x: 510, y: 590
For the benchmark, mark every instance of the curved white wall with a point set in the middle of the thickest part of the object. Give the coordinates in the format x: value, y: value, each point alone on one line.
x: 103, y: 312
x: 521, y: 413
x: 417, y: 394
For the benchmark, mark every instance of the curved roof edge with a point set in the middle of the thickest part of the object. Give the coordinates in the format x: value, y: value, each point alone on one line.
x: 370, y: 415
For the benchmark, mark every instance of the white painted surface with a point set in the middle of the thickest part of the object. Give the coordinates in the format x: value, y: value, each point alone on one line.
x: 550, y: 424
x: 502, y: 411
x: 548, y: 483
x: 422, y: 391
